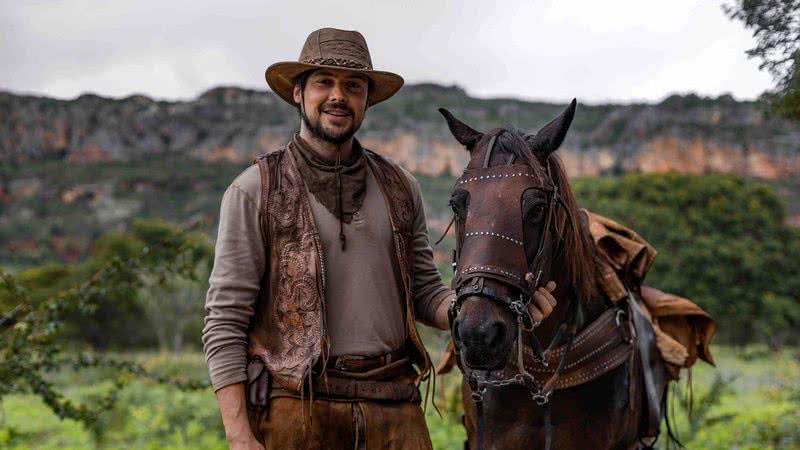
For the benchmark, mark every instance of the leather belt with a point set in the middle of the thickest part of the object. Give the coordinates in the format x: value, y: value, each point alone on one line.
x: 393, y: 381
x: 357, y: 363
x: 347, y: 378
x: 350, y: 389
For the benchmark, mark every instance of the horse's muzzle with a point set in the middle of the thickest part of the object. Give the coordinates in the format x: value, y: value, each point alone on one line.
x: 483, y: 334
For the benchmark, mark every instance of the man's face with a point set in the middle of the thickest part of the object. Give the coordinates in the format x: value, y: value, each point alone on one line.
x: 334, y: 103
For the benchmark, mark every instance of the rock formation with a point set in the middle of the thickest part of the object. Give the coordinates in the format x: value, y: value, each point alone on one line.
x: 682, y: 133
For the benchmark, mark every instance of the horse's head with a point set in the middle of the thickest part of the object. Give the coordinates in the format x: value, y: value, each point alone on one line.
x: 513, y: 208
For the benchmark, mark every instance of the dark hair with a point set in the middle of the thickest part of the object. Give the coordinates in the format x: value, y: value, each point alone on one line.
x: 302, y: 79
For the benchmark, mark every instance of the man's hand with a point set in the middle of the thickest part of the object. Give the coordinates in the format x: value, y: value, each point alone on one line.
x: 233, y: 407
x: 543, y: 302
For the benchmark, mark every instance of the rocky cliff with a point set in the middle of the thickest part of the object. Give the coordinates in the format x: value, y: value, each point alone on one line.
x: 71, y: 170
x: 682, y: 133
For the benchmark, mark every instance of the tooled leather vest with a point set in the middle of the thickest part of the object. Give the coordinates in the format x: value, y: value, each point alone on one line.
x: 288, y: 331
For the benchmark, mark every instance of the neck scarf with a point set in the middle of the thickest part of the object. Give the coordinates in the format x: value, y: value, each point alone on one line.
x: 339, y: 185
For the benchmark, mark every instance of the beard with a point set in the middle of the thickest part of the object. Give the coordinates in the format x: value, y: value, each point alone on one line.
x: 321, y: 133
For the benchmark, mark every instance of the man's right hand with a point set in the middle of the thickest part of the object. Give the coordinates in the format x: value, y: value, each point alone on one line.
x: 233, y: 407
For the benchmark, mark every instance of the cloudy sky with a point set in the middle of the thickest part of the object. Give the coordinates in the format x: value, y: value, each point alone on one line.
x: 613, y: 50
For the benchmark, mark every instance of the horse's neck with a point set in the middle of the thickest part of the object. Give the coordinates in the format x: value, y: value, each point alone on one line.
x: 587, y: 310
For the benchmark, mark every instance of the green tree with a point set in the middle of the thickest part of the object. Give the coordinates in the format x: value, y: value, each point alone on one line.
x: 722, y: 242
x: 776, y: 28
x: 31, y: 332
x: 119, y: 319
x: 174, y: 305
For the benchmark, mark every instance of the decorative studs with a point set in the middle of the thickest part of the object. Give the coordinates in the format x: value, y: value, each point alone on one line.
x: 491, y: 269
x: 488, y: 177
x: 490, y: 233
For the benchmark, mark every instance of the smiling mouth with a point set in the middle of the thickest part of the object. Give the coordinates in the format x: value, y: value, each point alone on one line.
x: 337, y: 113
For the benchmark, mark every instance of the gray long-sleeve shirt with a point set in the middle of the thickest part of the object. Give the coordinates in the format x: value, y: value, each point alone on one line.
x: 364, y: 292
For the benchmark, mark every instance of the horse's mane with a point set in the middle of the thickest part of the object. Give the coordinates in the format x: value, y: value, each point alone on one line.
x: 574, y: 252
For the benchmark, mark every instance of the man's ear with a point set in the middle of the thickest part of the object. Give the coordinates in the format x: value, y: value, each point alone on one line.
x: 297, y: 94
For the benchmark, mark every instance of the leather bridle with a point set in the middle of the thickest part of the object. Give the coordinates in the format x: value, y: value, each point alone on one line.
x: 508, y: 265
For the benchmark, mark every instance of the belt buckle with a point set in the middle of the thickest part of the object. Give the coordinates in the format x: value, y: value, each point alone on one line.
x: 341, y: 362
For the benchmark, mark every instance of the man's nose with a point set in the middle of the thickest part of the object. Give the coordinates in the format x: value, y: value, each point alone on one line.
x: 337, y: 93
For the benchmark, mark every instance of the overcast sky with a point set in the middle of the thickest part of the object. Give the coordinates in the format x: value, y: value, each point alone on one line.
x: 613, y: 50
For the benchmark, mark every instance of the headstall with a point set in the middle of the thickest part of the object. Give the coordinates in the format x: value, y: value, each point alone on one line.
x: 494, y: 227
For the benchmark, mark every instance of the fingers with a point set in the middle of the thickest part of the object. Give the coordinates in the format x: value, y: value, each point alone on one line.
x: 543, y: 302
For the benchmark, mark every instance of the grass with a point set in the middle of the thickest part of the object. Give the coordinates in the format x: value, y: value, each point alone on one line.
x: 759, y: 396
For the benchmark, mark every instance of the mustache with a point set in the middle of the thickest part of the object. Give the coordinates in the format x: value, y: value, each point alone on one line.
x: 335, y: 108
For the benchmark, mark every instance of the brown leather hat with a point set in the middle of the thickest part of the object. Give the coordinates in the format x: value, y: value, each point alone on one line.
x: 334, y: 49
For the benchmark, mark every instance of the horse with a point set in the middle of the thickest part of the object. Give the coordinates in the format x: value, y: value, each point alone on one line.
x: 517, y: 226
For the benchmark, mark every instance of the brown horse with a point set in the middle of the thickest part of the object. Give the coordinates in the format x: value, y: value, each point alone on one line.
x: 517, y: 226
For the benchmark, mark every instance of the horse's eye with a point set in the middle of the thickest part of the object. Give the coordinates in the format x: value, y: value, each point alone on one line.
x: 458, y: 209
x: 533, y: 208
x: 535, y: 213
x: 458, y: 203
x: 453, y: 205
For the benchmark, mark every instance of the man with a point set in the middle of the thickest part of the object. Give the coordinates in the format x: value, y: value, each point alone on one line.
x: 322, y: 265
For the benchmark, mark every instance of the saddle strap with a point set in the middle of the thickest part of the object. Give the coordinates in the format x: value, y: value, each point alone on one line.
x: 599, y: 348
x: 652, y: 366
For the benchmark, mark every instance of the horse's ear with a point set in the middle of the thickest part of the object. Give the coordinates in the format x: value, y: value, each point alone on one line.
x: 552, y: 135
x: 463, y: 133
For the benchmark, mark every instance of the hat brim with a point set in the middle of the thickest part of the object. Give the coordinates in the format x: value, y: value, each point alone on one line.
x: 281, y: 79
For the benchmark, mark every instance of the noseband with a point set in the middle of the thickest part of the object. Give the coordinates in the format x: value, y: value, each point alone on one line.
x: 497, y: 252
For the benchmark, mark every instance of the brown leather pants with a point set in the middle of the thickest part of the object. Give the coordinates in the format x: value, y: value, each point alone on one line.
x: 340, y: 424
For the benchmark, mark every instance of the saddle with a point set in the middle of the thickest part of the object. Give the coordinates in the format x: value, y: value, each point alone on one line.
x: 683, y: 331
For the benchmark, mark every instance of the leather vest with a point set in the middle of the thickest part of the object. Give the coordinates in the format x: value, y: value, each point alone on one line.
x: 288, y: 331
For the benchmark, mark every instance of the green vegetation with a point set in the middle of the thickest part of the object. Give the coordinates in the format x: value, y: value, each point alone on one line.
x: 750, y: 401
x: 146, y: 415
x: 117, y: 317
x: 776, y: 28
x: 97, y: 309
x: 756, y: 409
x: 722, y: 242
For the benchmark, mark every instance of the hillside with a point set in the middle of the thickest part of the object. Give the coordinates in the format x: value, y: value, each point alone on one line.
x: 72, y: 169
x: 682, y: 133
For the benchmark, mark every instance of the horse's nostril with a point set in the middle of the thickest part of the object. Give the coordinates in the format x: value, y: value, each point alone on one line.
x: 486, y: 335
